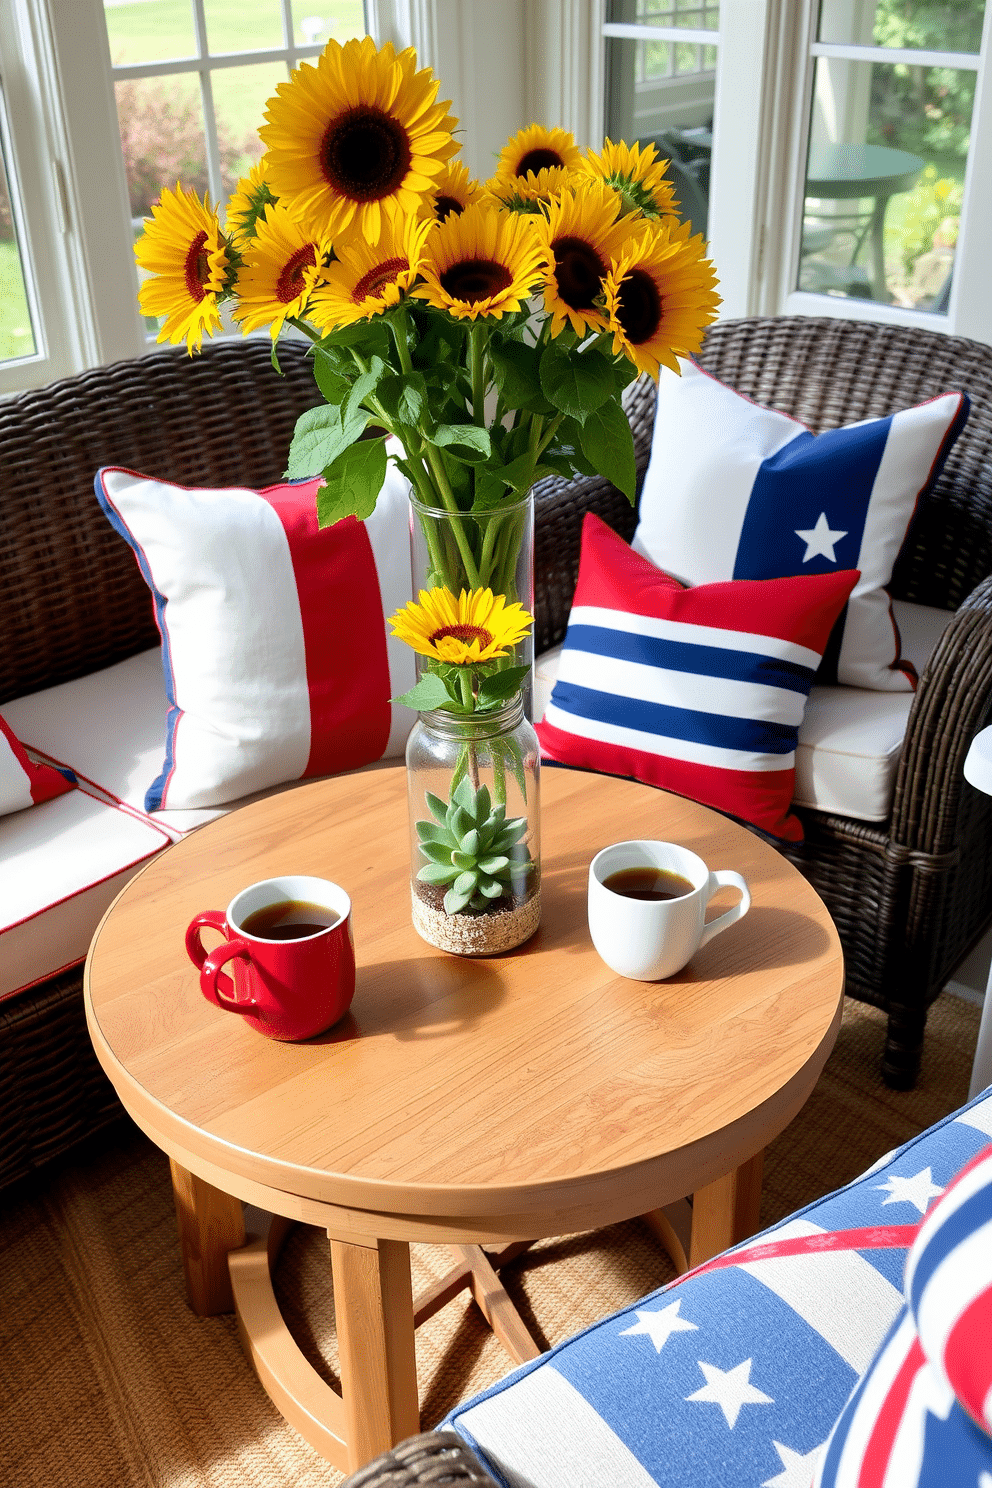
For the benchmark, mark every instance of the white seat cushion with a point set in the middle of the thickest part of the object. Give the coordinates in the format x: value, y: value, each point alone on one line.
x: 850, y: 737
x: 61, y: 864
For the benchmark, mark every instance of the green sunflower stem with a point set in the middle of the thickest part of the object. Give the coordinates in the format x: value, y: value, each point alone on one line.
x: 461, y: 537
x: 477, y: 338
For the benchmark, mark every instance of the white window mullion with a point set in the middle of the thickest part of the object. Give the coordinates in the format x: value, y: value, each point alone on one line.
x: 207, y: 104
x: 970, y: 308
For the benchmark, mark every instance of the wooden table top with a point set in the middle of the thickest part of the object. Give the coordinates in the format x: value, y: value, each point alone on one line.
x: 536, y: 1084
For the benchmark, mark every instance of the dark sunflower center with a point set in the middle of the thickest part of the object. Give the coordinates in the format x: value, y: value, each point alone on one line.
x: 376, y: 279
x: 639, y: 307
x: 537, y: 160
x: 466, y: 633
x: 579, y: 271
x: 444, y: 206
x: 290, y: 284
x: 475, y: 279
x: 365, y: 153
x: 197, y: 268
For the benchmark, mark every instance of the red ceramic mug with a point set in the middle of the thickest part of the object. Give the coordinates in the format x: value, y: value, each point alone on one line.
x: 287, y: 988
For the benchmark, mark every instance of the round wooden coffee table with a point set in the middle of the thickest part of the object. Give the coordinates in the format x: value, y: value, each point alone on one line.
x: 461, y: 1101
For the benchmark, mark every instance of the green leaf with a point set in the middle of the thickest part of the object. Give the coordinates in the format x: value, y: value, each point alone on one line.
x: 463, y: 437
x: 437, y: 808
x: 609, y: 445
x: 490, y: 888
x: 494, y: 864
x: 404, y: 396
x: 459, y: 820
x: 464, y: 796
x: 437, y: 853
x: 483, y: 805
x: 321, y: 436
x: 465, y: 883
x: 362, y: 386
x: 352, y: 482
x: 332, y: 383
x: 517, y: 374
x: 367, y: 334
x: 575, y: 383
x: 436, y: 873
x: 470, y: 844
x: 454, y: 902
x: 429, y: 831
x: 499, y: 686
x: 464, y: 860
x: 429, y: 692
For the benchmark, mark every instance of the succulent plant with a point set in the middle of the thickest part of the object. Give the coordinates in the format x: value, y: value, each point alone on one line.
x: 471, y: 846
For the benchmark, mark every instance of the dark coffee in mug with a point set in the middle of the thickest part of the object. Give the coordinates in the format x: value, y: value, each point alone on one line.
x: 290, y: 919
x: 648, y: 882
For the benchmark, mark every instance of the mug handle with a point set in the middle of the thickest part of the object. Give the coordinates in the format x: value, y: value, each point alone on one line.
x: 223, y: 995
x: 740, y: 909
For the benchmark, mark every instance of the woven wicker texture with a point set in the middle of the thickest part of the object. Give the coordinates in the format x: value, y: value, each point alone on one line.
x: 435, y: 1457
x: 136, y: 1390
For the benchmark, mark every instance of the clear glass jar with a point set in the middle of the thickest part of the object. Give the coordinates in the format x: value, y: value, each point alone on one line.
x: 479, y: 550
x: 473, y: 787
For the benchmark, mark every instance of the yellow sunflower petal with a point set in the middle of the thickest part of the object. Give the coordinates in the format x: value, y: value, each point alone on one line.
x: 282, y: 265
x: 535, y: 149
x: 483, y: 262
x: 454, y: 190
x: 583, y: 235
x: 660, y: 295
x: 637, y: 175
x: 188, y: 260
x: 354, y: 132
x: 477, y: 626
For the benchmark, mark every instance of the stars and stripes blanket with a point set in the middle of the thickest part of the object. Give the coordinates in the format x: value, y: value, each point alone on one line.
x: 733, y: 1376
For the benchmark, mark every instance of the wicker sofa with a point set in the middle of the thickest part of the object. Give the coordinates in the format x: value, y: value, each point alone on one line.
x: 910, y: 896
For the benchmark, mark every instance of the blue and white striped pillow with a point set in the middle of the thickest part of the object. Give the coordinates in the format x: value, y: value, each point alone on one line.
x: 737, y: 491
x: 699, y: 691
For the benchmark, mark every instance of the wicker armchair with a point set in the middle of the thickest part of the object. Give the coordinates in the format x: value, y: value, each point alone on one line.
x: 911, y: 896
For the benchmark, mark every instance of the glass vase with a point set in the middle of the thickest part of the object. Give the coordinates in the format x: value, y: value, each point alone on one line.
x: 474, y: 795
x: 479, y: 550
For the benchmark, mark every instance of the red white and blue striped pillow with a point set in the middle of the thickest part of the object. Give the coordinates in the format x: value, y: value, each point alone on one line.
x: 276, y: 659
x: 921, y: 1417
x: 22, y: 782
x: 699, y: 691
x: 737, y: 491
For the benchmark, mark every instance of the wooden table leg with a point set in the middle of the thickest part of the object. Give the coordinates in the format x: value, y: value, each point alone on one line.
x: 373, y: 1308
x: 210, y: 1224
x: 726, y: 1212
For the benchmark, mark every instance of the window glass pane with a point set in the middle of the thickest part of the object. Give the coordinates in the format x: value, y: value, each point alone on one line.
x: 940, y: 26
x: 161, y: 121
x: 149, y: 30
x: 317, y: 21
x: 16, y: 333
x: 237, y: 26
x: 662, y: 92
x: 884, y: 181
x: 240, y: 97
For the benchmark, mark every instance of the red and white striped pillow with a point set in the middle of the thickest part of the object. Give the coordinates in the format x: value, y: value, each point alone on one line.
x: 22, y: 782
x: 921, y: 1417
x: 276, y: 658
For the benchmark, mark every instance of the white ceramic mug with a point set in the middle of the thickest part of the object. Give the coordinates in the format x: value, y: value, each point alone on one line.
x: 649, y: 939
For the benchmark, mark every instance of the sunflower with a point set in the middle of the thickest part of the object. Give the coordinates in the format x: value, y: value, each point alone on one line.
x: 583, y: 237
x: 282, y: 263
x: 637, y: 175
x: 454, y: 190
x: 187, y: 256
x: 484, y: 262
x: 477, y: 626
x: 531, y: 193
x: 368, y: 278
x: 359, y: 130
x: 535, y: 149
x: 251, y: 196
x: 661, y: 295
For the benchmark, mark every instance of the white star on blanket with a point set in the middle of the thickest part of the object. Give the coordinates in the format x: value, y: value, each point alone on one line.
x: 797, y: 1467
x: 820, y: 539
x: 917, y: 1190
x: 659, y: 1326
x: 730, y: 1389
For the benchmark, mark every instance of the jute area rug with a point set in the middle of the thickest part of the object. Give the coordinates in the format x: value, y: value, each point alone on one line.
x: 107, y: 1380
